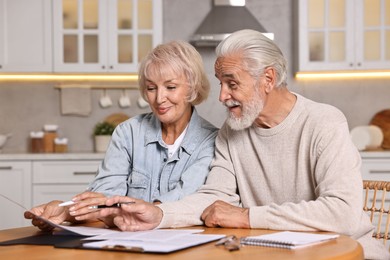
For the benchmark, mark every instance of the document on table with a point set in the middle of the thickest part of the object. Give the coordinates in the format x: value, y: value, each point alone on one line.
x: 77, y: 230
x: 173, y: 242
x: 157, y: 241
x: 148, y: 235
x: 153, y: 241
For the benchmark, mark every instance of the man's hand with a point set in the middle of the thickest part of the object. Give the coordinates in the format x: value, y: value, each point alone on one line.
x: 222, y: 214
x: 132, y: 217
x: 50, y: 211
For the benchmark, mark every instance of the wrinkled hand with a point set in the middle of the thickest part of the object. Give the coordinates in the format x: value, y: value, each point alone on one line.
x: 222, y: 214
x: 82, y: 210
x: 132, y: 217
x: 50, y: 211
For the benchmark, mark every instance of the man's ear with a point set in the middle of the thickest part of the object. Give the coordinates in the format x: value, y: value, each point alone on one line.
x: 270, y: 78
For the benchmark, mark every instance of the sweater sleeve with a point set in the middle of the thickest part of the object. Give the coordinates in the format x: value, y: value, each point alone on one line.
x: 337, y: 205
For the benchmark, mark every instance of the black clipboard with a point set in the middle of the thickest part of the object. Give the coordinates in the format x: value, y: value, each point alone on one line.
x: 43, y: 239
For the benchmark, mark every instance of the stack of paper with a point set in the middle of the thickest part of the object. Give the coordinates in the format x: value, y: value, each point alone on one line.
x: 156, y: 241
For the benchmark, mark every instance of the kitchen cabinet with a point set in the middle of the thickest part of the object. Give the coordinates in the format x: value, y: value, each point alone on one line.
x: 15, y: 184
x: 61, y: 179
x: 376, y: 166
x: 25, y: 36
x: 104, y: 35
x: 344, y: 35
x: 33, y: 179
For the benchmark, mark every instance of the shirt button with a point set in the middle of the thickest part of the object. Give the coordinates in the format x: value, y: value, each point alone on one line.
x: 165, y: 159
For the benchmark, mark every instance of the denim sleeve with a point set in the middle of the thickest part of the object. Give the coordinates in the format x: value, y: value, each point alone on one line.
x: 193, y: 176
x: 113, y: 172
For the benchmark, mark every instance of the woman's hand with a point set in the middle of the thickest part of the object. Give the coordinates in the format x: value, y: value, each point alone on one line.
x: 83, y: 209
x: 50, y: 211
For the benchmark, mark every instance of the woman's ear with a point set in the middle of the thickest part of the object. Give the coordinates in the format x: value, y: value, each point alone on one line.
x: 270, y: 78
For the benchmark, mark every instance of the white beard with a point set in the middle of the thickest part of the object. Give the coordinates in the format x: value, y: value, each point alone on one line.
x: 250, y: 112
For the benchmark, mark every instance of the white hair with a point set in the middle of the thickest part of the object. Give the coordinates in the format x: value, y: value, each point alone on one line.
x: 258, y: 52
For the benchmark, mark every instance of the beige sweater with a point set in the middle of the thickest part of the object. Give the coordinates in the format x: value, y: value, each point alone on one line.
x: 303, y: 174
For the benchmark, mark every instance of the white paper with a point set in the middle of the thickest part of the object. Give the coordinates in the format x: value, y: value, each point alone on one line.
x: 158, y: 240
x: 84, y: 231
x: 162, y: 246
x: 149, y: 235
x: 77, y: 230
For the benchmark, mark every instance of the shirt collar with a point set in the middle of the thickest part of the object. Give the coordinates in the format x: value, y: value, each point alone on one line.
x: 190, y: 141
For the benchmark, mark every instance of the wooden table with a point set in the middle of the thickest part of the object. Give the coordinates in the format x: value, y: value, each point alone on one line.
x: 341, y: 248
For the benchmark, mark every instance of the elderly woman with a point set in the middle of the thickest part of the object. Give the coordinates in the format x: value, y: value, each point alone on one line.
x: 159, y: 156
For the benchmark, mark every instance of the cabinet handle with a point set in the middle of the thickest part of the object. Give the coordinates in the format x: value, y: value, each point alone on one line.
x: 1, y: 67
x: 84, y: 173
x: 380, y: 171
x: 103, y: 67
x: 6, y: 168
x: 111, y: 67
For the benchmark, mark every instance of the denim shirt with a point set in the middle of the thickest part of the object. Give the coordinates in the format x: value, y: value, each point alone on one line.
x: 136, y: 163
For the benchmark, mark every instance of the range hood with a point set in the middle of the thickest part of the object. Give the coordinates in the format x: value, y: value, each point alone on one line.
x: 225, y: 17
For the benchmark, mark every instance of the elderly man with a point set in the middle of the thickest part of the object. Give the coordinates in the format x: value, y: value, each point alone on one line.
x: 281, y: 162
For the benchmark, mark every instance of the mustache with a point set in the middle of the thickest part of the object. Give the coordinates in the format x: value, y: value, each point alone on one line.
x: 231, y: 103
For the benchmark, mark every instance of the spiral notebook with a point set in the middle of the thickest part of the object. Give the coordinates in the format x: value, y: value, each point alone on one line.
x: 288, y: 239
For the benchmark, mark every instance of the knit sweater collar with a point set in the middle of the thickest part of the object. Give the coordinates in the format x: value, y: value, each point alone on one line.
x: 286, y: 123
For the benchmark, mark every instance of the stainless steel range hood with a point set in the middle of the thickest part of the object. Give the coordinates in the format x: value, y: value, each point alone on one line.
x: 225, y: 17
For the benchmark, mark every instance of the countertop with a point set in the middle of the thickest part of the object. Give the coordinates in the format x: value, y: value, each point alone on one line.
x: 375, y: 154
x: 50, y: 156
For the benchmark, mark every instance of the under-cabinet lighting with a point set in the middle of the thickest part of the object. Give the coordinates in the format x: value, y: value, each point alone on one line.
x: 67, y: 77
x: 342, y: 75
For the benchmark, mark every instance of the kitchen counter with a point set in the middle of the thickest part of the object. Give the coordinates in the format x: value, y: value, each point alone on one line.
x: 375, y: 154
x: 50, y: 156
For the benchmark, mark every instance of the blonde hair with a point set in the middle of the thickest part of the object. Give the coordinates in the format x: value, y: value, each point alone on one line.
x: 181, y: 58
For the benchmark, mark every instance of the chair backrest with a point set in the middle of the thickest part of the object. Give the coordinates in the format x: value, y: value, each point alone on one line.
x: 377, y: 204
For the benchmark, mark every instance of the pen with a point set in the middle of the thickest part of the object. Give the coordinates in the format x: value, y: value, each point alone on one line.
x: 116, y: 205
x: 66, y: 203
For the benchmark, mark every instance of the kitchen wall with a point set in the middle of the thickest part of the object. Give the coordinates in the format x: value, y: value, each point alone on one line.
x: 27, y: 107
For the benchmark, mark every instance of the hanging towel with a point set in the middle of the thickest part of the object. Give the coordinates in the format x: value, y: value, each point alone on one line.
x: 76, y: 100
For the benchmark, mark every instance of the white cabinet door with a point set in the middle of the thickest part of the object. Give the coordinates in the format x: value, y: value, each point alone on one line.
x: 344, y: 35
x: 134, y: 28
x: 376, y: 165
x: 325, y: 34
x: 79, y: 35
x: 372, y: 30
x: 15, y: 183
x: 61, y: 179
x: 377, y: 169
x: 25, y: 36
x: 104, y: 35
x: 49, y: 192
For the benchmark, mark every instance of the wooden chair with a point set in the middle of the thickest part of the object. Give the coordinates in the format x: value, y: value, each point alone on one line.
x: 377, y: 204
